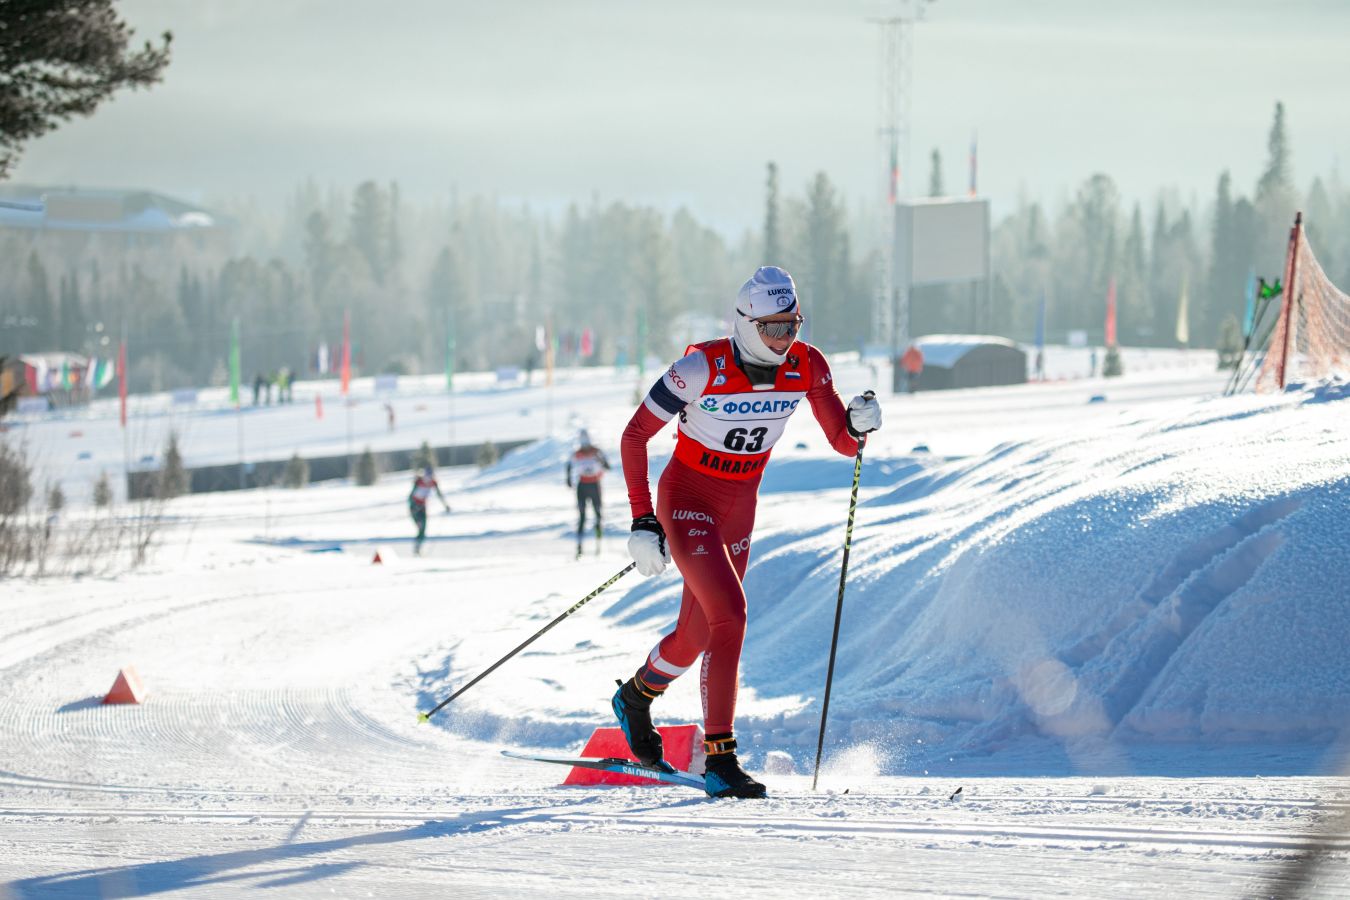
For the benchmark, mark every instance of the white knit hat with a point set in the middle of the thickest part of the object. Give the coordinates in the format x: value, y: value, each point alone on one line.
x: 769, y: 291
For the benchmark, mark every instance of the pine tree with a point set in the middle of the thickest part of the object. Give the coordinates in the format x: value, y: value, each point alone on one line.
x: 296, y: 473
x: 823, y: 277
x: 1087, y: 249
x: 16, y: 485
x: 40, y: 318
x: 1224, y: 284
x: 61, y: 60
x: 423, y: 457
x: 1275, y: 198
x: 173, y: 477
x: 1132, y: 308
x: 70, y: 319
x: 103, y: 495
x: 367, y: 472
x: 487, y: 454
x: 369, y: 228
x: 935, y: 176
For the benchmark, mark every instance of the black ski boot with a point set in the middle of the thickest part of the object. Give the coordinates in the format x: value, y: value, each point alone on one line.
x: 722, y: 773
x: 633, y: 709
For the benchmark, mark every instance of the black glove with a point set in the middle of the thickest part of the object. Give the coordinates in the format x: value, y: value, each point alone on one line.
x: 649, y: 522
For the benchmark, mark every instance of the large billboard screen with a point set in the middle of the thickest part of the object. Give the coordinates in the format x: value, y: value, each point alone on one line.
x: 941, y: 240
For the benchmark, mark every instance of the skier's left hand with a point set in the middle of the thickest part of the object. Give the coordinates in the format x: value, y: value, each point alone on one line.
x: 864, y: 414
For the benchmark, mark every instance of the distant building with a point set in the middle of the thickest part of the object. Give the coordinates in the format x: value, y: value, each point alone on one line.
x: 969, y: 360
x: 74, y: 222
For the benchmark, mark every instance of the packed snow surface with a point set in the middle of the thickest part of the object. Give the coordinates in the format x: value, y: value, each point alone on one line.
x: 1113, y: 613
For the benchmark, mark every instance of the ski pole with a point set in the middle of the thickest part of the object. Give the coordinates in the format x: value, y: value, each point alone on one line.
x: 839, y: 607
x: 422, y: 717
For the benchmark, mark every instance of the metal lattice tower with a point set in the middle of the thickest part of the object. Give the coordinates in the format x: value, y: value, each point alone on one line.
x: 890, y: 312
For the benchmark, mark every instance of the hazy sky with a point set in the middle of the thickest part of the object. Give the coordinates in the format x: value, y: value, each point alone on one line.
x: 549, y: 101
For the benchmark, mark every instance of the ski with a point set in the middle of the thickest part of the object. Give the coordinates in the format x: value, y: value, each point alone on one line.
x: 614, y: 764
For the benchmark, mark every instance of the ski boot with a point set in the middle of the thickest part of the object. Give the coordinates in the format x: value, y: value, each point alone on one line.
x: 722, y: 773
x: 633, y: 709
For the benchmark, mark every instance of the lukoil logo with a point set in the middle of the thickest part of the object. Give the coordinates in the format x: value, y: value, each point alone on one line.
x: 693, y: 515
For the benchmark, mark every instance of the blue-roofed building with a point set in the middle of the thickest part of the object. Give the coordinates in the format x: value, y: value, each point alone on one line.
x: 68, y: 220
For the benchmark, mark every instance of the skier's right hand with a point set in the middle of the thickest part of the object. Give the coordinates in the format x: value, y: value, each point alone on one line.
x: 647, y: 545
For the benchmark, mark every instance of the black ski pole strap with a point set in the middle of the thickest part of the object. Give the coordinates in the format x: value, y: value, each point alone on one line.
x: 422, y: 717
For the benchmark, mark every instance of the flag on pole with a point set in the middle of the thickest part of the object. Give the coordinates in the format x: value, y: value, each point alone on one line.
x: 122, y: 381
x: 550, y: 351
x: 234, y: 363
x: 1249, y: 317
x: 974, y: 151
x: 100, y: 374
x: 1111, y: 313
x: 587, y: 343
x: 1183, y: 315
x: 895, y: 174
x: 346, y: 352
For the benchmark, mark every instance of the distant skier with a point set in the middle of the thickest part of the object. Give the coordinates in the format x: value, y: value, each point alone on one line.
x: 733, y: 397
x: 589, y: 465
x: 423, y: 485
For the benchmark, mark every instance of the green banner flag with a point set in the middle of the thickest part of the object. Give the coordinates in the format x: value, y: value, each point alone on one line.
x: 234, y: 361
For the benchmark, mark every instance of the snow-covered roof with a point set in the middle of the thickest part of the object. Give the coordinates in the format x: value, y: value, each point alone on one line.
x: 90, y: 209
x: 945, y: 349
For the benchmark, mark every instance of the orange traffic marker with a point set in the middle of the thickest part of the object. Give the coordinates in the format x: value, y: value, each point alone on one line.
x: 683, y: 746
x: 127, y: 688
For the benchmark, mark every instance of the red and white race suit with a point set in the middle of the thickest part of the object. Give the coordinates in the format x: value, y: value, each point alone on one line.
x: 707, y: 494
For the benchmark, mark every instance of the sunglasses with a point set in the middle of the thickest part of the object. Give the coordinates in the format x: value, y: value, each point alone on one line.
x: 779, y: 329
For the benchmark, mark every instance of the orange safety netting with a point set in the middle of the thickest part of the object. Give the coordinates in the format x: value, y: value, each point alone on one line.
x: 1311, y: 339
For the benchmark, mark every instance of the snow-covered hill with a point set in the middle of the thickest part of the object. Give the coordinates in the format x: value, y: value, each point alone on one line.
x: 1112, y: 583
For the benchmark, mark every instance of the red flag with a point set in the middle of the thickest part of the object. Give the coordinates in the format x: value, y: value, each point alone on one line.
x: 587, y: 343
x: 895, y: 176
x: 1111, y: 314
x: 122, y: 380
x: 346, y: 352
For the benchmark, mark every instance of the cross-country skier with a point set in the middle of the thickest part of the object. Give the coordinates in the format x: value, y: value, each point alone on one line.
x: 589, y: 464
x: 422, y: 487
x: 733, y: 397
